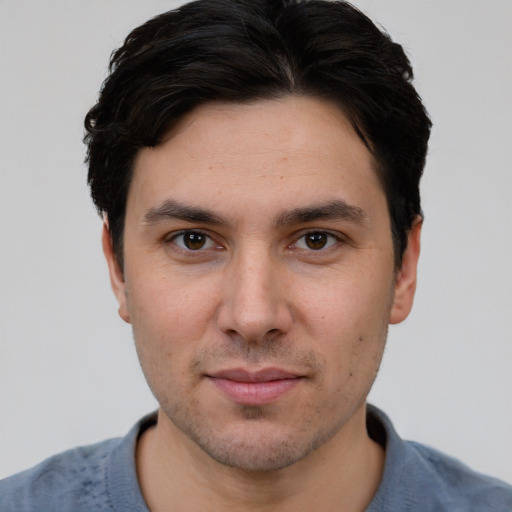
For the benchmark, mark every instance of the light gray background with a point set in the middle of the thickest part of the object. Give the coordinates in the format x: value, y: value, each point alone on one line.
x: 68, y: 372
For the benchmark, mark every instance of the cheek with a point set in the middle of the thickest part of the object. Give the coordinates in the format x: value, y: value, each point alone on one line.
x: 169, y: 323
x: 175, y: 308
x: 348, y: 305
x: 348, y: 321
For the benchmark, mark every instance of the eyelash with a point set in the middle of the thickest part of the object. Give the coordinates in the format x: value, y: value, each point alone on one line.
x: 208, y: 240
x: 329, y: 235
x: 211, y: 244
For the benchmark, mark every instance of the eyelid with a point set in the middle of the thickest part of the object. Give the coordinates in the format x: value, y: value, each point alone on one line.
x: 171, y: 238
x: 213, y: 243
x: 339, y: 238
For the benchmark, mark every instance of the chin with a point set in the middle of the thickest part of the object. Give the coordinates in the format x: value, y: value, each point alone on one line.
x: 257, y: 455
x: 256, y: 443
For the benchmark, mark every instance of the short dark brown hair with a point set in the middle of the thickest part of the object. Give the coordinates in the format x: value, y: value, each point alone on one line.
x: 245, y: 50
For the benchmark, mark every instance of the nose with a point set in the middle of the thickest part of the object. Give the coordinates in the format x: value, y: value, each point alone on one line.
x: 254, y: 305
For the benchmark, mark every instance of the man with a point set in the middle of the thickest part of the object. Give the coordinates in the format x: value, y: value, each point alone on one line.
x: 257, y: 167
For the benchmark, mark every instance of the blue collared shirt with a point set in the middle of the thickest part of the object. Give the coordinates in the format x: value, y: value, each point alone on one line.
x: 102, y: 478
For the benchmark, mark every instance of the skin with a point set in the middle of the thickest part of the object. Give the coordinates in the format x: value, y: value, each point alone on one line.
x: 249, y: 289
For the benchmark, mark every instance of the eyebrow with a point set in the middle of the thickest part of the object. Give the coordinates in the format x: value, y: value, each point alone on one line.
x: 334, y: 210
x: 171, y: 209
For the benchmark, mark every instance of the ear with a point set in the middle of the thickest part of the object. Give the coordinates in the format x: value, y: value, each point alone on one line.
x: 116, y: 274
x: 405, y: 285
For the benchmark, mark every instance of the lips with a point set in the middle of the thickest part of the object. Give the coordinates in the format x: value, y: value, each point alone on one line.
x: 254, y: 388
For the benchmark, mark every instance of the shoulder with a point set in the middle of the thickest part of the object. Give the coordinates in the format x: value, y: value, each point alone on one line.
x: 454, y: 484
x: 420, y: 478
x: 73, y: 480
x: 100, y: 478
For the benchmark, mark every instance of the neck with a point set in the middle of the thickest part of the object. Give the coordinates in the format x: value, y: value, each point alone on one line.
x: 175, y: 474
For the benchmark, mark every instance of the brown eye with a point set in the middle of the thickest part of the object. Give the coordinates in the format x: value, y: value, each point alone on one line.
x: 316, y: 241
x: 193, y: 241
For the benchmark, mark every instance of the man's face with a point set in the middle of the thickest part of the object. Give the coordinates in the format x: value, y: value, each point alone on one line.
x: 259, y: 279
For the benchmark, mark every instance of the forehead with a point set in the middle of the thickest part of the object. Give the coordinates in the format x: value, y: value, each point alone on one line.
x: 260, y: 156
